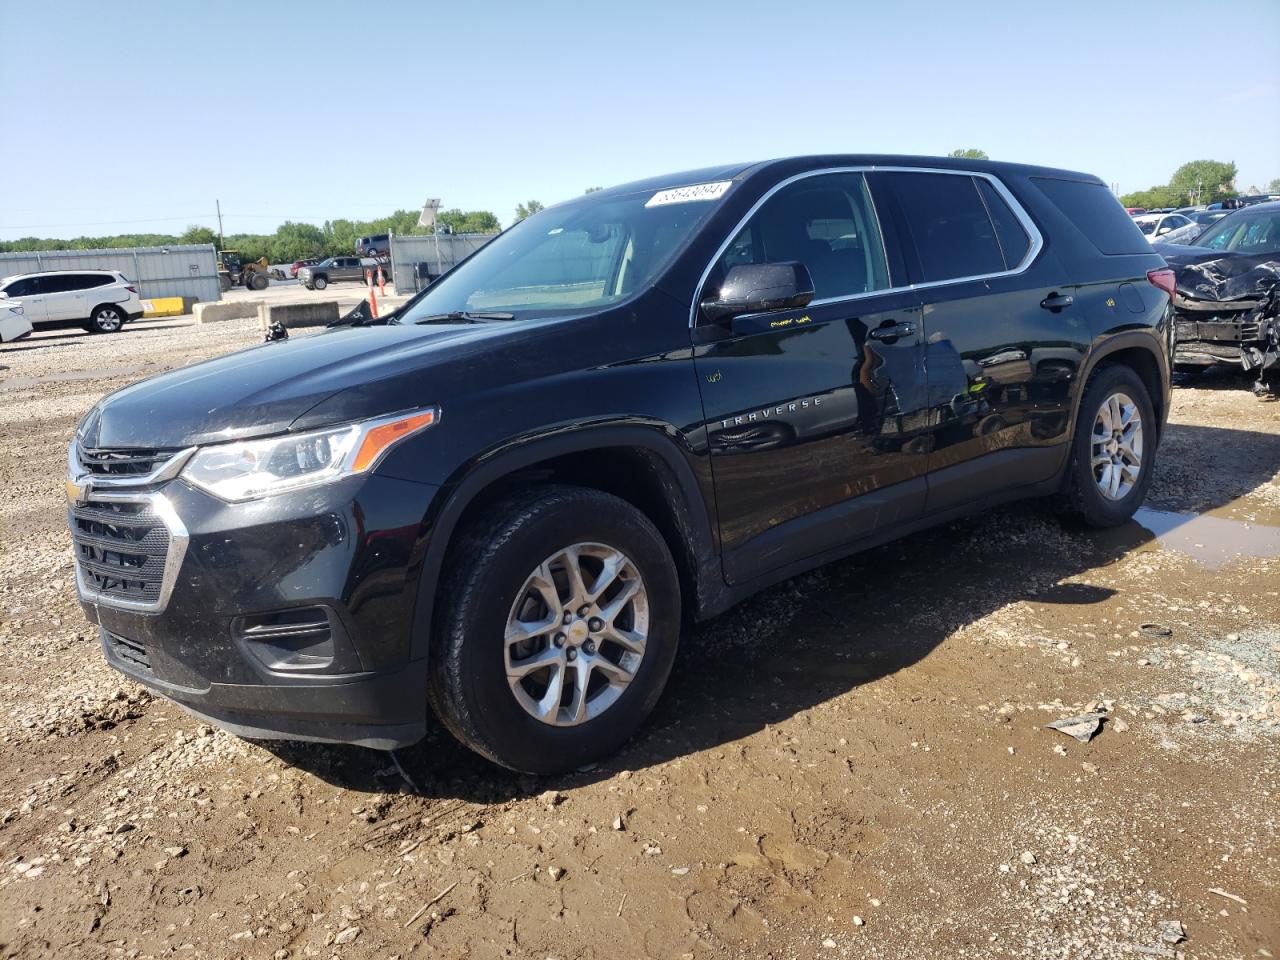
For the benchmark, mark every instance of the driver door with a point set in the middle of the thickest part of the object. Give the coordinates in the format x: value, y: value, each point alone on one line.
x: 816, y: 418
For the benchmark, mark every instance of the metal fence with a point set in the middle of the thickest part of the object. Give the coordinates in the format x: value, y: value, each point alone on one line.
x: 177, y: 271
x: 415, y: 257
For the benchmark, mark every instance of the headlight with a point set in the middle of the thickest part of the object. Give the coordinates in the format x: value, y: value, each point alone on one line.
x: 15, y: 307
x: 259, y: 468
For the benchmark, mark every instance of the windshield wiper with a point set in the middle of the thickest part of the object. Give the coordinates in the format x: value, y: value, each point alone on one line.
x: 466, y: 316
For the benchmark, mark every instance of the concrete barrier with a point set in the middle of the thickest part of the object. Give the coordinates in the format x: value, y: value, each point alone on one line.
x: 225, y: 310
x: 292, y: 316
x: 164, y: 307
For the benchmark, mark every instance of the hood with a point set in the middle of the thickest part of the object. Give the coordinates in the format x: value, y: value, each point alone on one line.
x: 1180, y: 254
x: 1215, y: 276
x: 263, y: 390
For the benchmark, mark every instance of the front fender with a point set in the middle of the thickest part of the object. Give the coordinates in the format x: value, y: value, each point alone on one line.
x: 690, y: 496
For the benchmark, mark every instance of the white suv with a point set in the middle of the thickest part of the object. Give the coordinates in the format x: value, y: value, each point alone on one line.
x: 103, y: 300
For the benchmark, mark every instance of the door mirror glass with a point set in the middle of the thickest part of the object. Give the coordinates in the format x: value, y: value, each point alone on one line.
x: 760, y: 288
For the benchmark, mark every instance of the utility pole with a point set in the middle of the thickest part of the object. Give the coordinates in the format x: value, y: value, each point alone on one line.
x: 221, y: 243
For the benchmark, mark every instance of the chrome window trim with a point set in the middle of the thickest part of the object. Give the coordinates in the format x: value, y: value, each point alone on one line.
x: 178, y: 540
x: 1023, y: 218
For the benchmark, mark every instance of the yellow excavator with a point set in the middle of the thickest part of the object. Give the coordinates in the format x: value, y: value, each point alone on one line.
x: 234, y: 270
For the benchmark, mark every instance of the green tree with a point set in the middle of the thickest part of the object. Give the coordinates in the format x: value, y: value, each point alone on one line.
x: 1274, y: 186
x: 1153, y: 197
x: 472, y: 221
x: 195, y: 234
x: 524, y: 210
x: 293, y: 241
x: 1203, y: 181
x: 592, y: 189
x: 972, y: 153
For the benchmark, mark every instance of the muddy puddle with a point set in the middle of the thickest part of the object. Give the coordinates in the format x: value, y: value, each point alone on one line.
x: 69, y: 376
x: 1212, y: 541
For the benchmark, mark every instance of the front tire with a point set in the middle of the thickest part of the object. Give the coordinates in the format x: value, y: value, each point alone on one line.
x: 319, y: 283
x: 556, y: 629
x: 106, y: 319
x: 259, y: 281
x: 1113, y: 450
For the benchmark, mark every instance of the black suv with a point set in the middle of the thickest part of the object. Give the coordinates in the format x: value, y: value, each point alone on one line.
x: 635, y: 407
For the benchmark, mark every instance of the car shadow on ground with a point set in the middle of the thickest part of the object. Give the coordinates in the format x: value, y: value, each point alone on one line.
x: 781, y: 652
x: 819, y: 635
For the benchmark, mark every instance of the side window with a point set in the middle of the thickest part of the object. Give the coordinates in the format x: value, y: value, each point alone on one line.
x: 100, y: 280
x: 28, y: 287
x: 1096, y: 213
x: 1014, y: 241
x: 948, y: 222
x: 61, y: 283
x: 825, y: 222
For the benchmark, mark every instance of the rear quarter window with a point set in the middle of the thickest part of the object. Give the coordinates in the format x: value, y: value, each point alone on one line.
x: 1097, y: 214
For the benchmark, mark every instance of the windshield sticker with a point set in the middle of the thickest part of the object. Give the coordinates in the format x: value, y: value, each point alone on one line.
x: 697, y: 191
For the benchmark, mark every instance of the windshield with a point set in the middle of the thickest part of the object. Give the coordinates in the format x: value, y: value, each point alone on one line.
x: 588, y: 253
x: 1257, y: 232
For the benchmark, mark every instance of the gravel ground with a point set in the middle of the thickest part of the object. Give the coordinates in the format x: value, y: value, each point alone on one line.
x: 854, y: 764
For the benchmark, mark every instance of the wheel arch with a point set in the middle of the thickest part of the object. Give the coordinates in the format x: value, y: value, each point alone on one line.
x: 641, y: 464
x: 117, y: 307
x: 1141, y: 352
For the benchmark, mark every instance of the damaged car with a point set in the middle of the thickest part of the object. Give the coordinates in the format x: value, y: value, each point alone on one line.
x: 1226, y: 308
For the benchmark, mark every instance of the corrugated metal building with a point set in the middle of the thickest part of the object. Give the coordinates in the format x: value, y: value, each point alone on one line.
x: 176, y: 271
x: 409, y: 252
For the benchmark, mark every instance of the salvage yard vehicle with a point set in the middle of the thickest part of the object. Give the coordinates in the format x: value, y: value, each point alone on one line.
x: 304, y: 262
x: 234, y: 271
x: 630, y: 410
x: 1225, y: 305
x: 102, y: 300
x: 1156, y: 225
x: 336, y: 269
x: 13, y: 322
x: 377, y: 245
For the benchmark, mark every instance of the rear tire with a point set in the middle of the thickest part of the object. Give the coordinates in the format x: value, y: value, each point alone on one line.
x: 1113, y: 450
x: 106, y: 319
x: 319, y: 283
x: 496, y: 616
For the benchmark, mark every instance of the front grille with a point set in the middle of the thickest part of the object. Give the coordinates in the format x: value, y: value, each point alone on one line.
x: 121, y: 463
x: 129, y: 653
x: 121, y: 548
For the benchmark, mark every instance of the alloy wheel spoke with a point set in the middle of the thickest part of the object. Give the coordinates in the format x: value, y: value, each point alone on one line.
x: 542, y: 582
x: 613, y: 672
x: 549, y: 705
x: 573, y: 570
x: 618, y: 603
x: 613, y: 565
x: 628, y: 639
x: 517, y: 669
x: 577, y: 708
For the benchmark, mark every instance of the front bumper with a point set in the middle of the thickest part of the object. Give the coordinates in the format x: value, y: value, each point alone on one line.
x: 1208, y: 342
x: 289, y: 617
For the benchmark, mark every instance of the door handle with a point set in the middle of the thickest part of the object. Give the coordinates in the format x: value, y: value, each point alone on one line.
x: 893, y: 331
x: 1057, y: 301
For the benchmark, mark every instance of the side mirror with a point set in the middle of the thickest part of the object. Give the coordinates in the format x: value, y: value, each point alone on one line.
x: 760, y: 288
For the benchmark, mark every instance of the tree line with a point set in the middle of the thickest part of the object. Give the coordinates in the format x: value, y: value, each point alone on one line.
x: 1193, y: 183
x: 291, y: 241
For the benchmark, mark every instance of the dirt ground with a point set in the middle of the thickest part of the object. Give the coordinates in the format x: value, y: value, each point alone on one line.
x: 854, y: 764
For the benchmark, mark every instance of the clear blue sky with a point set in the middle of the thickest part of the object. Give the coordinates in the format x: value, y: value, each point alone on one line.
x: 138, y: 111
